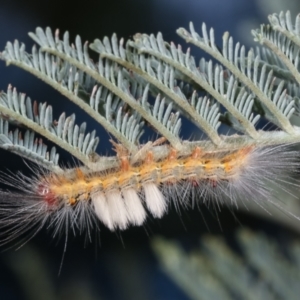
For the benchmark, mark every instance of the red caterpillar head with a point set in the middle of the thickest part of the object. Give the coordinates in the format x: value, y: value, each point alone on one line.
x: 45, y: 193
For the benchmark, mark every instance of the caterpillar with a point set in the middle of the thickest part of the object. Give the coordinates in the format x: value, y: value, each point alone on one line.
x: 125, y: 195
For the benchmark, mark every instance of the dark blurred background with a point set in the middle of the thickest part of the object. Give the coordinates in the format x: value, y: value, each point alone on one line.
x: 120, y: 266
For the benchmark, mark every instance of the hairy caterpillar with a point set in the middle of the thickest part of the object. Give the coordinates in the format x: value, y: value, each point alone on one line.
x: 125, y: 195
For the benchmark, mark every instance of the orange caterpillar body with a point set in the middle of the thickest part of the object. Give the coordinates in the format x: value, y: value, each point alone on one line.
x: 120, y: 197
x: 123, y: 196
